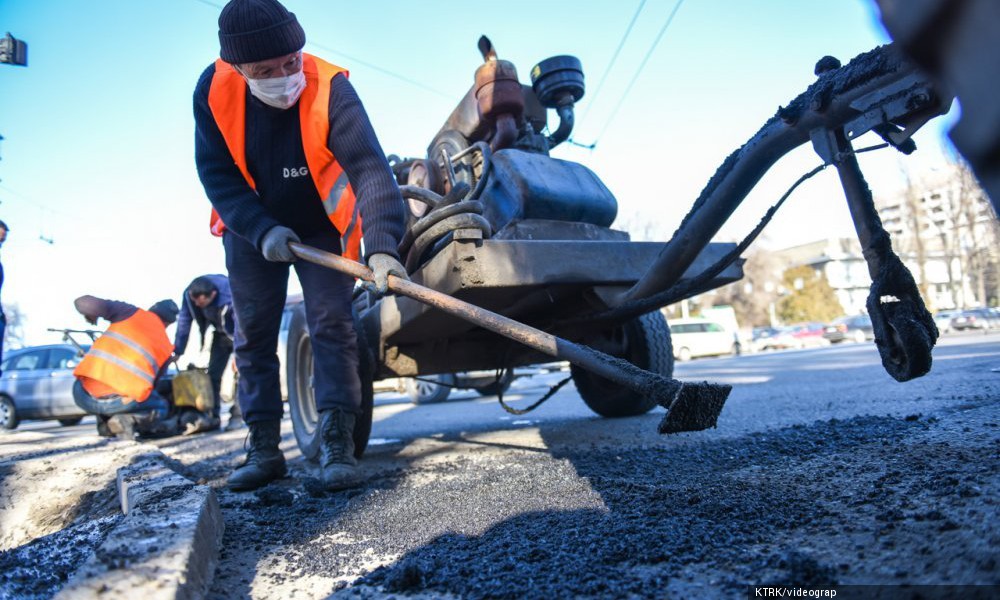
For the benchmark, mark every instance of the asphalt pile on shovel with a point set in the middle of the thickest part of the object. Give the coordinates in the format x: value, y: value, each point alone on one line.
x: 695, y: 407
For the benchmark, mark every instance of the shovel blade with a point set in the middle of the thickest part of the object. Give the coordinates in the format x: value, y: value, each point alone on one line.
x: 696, y: 407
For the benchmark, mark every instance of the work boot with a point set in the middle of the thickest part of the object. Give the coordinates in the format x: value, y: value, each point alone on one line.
x: 102, y: 426
x: 129, y: 426
x: 235, y: 418
x: 235, y: 422
x: 122, y: 426
x: 338, y: 467
x: 197, y: 422
x: 264, y: 462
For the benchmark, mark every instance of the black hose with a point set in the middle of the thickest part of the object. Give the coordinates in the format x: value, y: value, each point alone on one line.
x: 561, y: 134
x: 453, y: 197
x: 444, y: 217
x: 420, y: 194
x: 433, y: 218
x: 487, y: 154
x: 465, y: 220
x: 456, y: 194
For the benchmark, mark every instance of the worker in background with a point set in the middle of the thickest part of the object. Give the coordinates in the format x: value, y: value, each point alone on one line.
x: 208, y: 301
x: 286, y: 153
x: 3, y: 317
x: 116, y: 379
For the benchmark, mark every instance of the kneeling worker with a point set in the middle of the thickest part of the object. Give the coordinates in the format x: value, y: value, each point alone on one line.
x: 117, y: 376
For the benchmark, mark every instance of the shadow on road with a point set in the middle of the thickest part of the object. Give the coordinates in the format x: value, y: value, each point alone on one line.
x: 802, y: 505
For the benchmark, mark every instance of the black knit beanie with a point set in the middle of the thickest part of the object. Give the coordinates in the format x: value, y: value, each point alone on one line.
x: 167, y: 311
x: 255, y: 30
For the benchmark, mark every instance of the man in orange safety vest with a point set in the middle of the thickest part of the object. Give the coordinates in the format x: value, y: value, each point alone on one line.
x: 116, y: 380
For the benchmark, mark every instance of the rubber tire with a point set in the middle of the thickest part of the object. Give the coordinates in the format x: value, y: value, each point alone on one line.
x: 426, y: 392
x: 497, y: 387
x: 8, y: 414
x: 70, y: 421
x: 302, y: 402
x: 684, y: 354
x: 644, y: 342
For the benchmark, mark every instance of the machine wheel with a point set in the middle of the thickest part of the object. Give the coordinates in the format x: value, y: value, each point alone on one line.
x: 497, y: 387
x: 301, y: 400
x: 683, y: 355
x: 425, y: 391
x: 70, y: 421
x: 860, y: 337
x: 644, y: 342
x: 8, y: 414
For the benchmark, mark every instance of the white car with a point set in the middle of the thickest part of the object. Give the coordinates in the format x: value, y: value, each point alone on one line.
x: 696, y: 337
x: 943, y: 319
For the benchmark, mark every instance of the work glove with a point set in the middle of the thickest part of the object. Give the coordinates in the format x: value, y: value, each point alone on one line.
x: 382, y: 265
x: 274, y: 246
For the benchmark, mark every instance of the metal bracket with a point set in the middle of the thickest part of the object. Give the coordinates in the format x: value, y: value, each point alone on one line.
x: 824, y: 142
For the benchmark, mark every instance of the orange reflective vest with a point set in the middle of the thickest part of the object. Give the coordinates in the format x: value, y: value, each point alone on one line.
x: 227, y: 101
x: 126, y: 358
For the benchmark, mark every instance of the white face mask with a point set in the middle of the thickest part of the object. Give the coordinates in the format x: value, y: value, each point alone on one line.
x: 279, y: 92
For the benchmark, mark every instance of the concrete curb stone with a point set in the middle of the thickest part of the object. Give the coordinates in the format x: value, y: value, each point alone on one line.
x: 166, y: 546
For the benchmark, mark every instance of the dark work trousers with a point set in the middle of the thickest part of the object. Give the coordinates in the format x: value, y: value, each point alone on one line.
x: 218, y: 359
x: 3, y: 333
x: 259, y: 288
x: 117, y: 405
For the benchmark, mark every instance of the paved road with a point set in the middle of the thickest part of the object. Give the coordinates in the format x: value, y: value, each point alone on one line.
x: 822, y: 470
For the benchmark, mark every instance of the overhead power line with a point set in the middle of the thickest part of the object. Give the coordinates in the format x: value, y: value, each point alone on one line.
x: 642, y: 65
x: 355, y: 60
x: 384, y: 71
x: 611, y: 64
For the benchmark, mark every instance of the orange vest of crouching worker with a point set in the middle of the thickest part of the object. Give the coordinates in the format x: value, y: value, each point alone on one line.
x: 126, y: 358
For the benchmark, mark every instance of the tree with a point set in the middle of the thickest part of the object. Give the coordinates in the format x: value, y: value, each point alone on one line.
x: 752, y: 296
x: 641, y: 228
x: 14, y: 333
x: 914, y: 244
x: 980, y: 236
x: 948, y: 223
x: 810, y: 299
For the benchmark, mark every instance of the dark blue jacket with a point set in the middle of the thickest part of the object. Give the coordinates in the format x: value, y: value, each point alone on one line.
x: 218, y: 314
x: 275, y: 158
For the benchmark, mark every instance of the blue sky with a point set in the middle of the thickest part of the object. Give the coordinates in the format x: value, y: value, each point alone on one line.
x: 97, y: 153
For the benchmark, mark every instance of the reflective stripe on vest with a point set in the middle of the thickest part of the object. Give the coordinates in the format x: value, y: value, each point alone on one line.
x: 124, y: 365
x: 150, y: 361
x: 227, y: 101
x: 127, y: 358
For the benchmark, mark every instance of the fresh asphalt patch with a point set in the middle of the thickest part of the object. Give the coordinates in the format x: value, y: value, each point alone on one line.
x: 861, y: 500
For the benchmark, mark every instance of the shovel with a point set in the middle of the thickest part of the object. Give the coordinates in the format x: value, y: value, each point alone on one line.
x: 690, y: 406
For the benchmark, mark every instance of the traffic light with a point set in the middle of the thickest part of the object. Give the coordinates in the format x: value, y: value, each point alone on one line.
x: 13, y: 51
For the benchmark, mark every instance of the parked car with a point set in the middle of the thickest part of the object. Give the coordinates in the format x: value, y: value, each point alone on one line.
x: 810, y: 335
x: 975, y: 318
x: 696, y: 337
x: 37, y: 383
x: 943, y: 318
x: 856, y: 328
x: 773, y: 338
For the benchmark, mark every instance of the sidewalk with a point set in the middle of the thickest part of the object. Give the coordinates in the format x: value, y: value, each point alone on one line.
x: 86, y: 516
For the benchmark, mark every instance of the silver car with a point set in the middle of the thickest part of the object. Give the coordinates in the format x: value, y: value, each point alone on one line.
x: 37, y: 383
